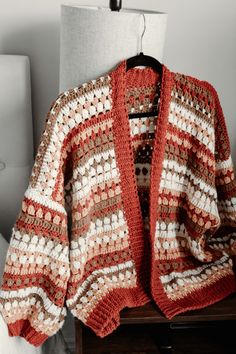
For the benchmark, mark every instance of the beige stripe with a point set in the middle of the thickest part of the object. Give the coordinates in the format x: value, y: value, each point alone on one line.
x: 82, y: 311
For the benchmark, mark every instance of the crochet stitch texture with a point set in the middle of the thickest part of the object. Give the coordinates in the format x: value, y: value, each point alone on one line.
x: 119, y: 212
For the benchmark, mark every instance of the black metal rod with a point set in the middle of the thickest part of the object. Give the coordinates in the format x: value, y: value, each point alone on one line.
x: 115, y: 5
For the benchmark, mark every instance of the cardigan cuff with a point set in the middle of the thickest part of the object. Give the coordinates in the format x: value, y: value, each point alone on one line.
x: 24, y: 329
x: 105, y: 317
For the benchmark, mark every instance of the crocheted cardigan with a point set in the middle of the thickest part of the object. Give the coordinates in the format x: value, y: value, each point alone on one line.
x: 119, y: 211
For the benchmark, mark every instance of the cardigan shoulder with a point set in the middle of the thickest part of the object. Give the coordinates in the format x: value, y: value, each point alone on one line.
x: 82, y: 102
x: 201, y: 99
x: 195, y: 102
x: 73, y: 107
x: 66, y: 114
x: 200, y: 93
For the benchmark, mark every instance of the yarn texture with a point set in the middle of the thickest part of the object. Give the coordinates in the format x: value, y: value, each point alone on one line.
x: 119, y: 212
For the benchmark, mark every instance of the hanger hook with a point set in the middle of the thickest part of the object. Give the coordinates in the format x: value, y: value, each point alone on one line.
x: 144, y: 29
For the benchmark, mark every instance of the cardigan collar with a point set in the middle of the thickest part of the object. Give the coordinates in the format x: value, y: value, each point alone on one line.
x: 125, y: 158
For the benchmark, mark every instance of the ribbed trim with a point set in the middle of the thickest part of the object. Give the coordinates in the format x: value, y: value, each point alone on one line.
x: 105, y: 317
x: 137, y: 77
x: 196, y: 300
x: 124, y: 155
x: 120, y: 79
x: 124, y: 158
x: 24, y: 329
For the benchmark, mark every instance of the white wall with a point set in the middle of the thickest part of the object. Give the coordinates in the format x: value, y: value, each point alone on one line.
x: 201, y: 41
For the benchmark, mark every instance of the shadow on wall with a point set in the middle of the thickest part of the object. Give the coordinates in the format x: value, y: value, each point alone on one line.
x: 42, y: 44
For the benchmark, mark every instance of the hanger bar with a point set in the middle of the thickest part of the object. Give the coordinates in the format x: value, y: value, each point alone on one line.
x: 145, y: 60
x: 143, y: 114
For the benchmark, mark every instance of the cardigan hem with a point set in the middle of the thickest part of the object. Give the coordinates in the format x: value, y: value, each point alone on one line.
x: 24, y: 329
x: 199, y: 299
x: 105, y: 317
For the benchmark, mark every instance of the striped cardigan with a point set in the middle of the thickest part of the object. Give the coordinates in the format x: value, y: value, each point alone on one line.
x: 122, y: 211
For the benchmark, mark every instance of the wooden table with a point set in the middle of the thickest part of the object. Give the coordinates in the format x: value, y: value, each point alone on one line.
x: 162, y: 328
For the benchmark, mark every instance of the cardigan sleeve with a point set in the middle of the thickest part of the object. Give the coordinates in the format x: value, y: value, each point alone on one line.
x: 36, y: 269
x: 224, y: 239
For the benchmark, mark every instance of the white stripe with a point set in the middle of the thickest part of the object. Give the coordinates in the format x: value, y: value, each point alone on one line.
x: 88, y: 165
x: 85, y: 190
x: 59, y: 135
x: 170, y: 230
x: 223, y: 239
x: 54, y: 147
x: 173, y: 181
x: 196, y: 271
x: 177, y: 168
x: 83, y: 184
x: 192, y: 117
x: 35, y: 195
x: 24, y: 293
x: 56, y: 252
x: 11, y: 310
x: 82, y: 311
x: 225, y: 164
x: 227, y: 205
x: 107, y: 224
x: 190, y: 128
x: 95, y: 274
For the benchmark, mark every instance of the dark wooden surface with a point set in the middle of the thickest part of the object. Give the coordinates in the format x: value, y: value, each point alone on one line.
x: 149, y: 313
x: 144, y: 330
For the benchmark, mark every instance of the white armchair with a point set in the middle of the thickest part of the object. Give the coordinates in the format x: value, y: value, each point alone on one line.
x: 16, y: 161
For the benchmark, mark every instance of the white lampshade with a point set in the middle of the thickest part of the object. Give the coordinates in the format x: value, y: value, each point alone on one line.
x: 95, y: 39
